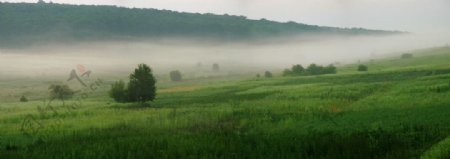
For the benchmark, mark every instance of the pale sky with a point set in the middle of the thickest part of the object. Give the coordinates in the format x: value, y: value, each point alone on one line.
x: 420, y: 16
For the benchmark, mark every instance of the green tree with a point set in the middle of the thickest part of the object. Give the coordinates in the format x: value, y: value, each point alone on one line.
x: 268, y: 74
x: 298, y: 69
x: 118, y: 91
x: 175, y: 75
x: 314, y: 69
x: 362, y: 68
x: 141, y: 87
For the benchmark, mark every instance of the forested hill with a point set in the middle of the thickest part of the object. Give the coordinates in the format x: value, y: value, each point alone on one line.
x: 23, y: 23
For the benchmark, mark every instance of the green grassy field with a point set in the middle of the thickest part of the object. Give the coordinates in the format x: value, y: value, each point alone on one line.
x: 400, y: 108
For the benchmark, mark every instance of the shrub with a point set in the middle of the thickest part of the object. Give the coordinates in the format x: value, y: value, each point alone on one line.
x: 362, y: 68
x: 268, y: 74
x: 175, y: 75
x: 23, y: 99
x: 258, y: 75
x: 330, y: 69
x: 118, y: 91
x: 61, y: 92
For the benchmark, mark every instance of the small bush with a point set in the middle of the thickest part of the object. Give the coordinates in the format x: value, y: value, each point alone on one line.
x: 363, y: 68
x: 61, y: 92
x: 268, y: 74
x: 175, y: 76
x: 23, y: 99
x: 118, y: 91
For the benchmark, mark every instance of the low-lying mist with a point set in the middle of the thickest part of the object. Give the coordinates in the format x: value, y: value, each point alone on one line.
x: 195, y: 59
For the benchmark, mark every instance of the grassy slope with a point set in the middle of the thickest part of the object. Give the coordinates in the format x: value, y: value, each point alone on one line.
x: 399, y: 109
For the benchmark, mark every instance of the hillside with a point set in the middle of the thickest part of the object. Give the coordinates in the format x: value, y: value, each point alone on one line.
x: 24, y: 23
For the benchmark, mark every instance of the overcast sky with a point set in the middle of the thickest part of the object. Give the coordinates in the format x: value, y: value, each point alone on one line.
x: 406, y: 15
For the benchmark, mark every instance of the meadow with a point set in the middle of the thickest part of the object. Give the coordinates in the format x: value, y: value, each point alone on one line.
x: 400, y: 108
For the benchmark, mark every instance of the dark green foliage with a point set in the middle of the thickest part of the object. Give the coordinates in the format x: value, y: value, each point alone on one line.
x: 141, y: 87
x: 23, y: 99
x: 258, y: 75
x: 61, y: 92
x: 330, y: 69
x: 118, y: 91
x: 298, y: 70
x: 313, y: 69
x: 268, y: 74
x: 27, y: 23
x: 175, y: 76
x: 216, y: 67
x: 407, y: 56
x: 363, y: 68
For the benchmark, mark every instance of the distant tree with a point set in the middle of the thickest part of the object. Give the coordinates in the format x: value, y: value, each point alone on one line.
x: 362, y: 68
x: 258, y: 75
x: 330, y: 69
x: 298, y: 69
x: 40, y: 1
x: 268, y: 74
x: 175, y: 75
x: 141, y: 87
x: 314, y: 69
x: 118, y: 91
x: 61, y: 92
x: 287, y: 72
x: 23, y: 99
x: 407, y: 56
x: 216, y: 67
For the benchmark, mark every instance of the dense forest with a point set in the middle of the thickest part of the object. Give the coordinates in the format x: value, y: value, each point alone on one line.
x: 24, y: 23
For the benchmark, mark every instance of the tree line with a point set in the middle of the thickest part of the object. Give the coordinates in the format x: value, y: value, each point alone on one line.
x: 25, y: 22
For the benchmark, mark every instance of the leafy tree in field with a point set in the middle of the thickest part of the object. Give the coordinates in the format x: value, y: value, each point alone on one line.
x: 23, y: 99
x: 298, y: 69
x: 268, y: 74
x: 141, y: 87
x: 61, y: 92
x: 118, y: 92
x: 216, y: 67
x: 258, y: 75
x: 175, y: 75
x: 362, y: 68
